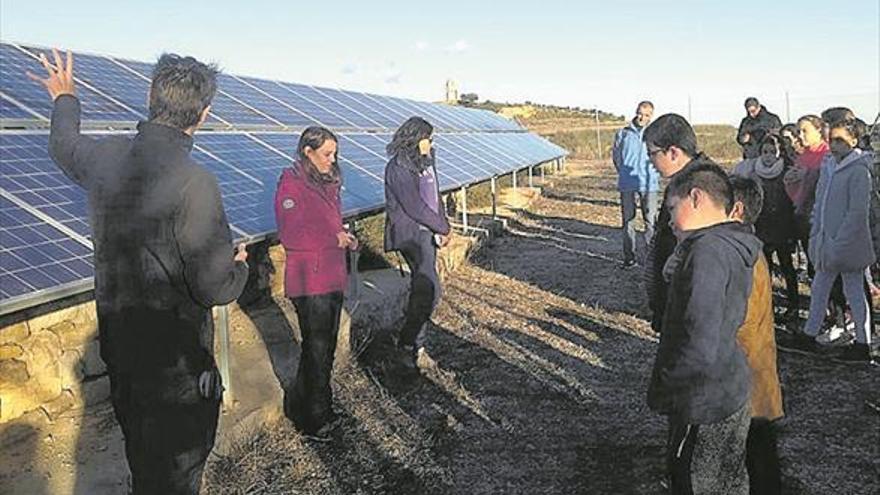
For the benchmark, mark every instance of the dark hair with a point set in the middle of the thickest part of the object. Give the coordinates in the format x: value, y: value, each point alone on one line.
x: 748, y: 192
x: 837, y: 114
x: 773, y: 139
x: 707, y: 177
x: 645, y: 103
x: 814, y: 120
x: 672, y: 130
x: 406, y: 138
x: 314, y: 137
x: 751, y: 101
x: 182, y: 88
x: 852, y: 127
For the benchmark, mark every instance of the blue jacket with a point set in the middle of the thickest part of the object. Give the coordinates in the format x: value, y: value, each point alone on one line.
x: 635, y: 172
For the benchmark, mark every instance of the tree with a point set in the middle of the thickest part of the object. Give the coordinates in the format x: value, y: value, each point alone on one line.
x: 468, y: 99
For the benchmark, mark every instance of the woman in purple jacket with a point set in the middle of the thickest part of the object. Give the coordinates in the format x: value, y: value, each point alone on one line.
x: 309, y: 218
x: 415, y: 226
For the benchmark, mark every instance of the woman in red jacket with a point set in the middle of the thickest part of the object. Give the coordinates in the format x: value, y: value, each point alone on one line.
x: 309, y: 218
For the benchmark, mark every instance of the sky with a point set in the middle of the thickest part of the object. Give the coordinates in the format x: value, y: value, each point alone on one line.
x: 697, y: 58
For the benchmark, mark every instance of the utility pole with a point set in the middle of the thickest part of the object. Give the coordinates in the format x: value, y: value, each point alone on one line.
x: 787, y: 107
x: 598, y: 137
x: 690, y: 117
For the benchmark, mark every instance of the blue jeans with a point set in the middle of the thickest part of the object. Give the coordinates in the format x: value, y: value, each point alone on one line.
x: 649, y: 204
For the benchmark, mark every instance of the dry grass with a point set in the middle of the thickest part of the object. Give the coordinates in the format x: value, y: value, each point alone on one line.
x: 540, y: 355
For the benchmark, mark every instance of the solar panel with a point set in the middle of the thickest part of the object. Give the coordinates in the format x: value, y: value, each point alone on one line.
x: 109, y: 78
x: 9, y: 110
x: 381, y: 115
x: 15, y: 84
x: 30, y: 175
x: 257, y: 94
x: 35, y: 256
x: 349, y: 117
x: 223, y: 109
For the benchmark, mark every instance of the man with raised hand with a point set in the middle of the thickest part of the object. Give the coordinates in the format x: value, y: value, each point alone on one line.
x: 163, y: 258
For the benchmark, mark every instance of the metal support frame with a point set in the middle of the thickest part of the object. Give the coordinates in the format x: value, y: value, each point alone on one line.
x: 223, y: 354
x: 531, y: 183
x: 464, y: 212
x: 514, y: 180
x: 494, y: 200
x: 542, y: 173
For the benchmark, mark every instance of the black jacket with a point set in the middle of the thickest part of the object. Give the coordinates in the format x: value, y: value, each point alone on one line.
x: 700, y: 374
x: 775, y: 225
x: 756, y: 127
x: 163, y: 251
x: 662, y: 245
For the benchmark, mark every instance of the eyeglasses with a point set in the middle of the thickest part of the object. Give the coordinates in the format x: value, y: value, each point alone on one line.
x: 654, y: 152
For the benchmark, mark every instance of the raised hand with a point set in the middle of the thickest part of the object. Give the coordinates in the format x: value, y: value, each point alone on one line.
x: 60, y: 80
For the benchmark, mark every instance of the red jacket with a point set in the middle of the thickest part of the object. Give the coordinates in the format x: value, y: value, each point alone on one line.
x: 309, y: 216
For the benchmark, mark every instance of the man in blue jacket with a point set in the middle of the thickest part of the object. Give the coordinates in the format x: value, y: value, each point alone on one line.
x: 637, y: 180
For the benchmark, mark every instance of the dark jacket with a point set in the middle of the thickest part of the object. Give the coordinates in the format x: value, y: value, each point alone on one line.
x: 662, y: 246
x: 309, y: 217
x: 163, y: 250
x: 875, y: 195
x: 700, y: 374
x: 775, y: 225
x: 405, y: 211
x: 756, y: 127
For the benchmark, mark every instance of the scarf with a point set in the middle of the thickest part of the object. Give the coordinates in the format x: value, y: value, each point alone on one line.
x: 769, y: 171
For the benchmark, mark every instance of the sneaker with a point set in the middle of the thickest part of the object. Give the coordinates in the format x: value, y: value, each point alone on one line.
x: 834, y: 336
x: 323, y: 433
x: 855, y: 353
x: 798, y: 342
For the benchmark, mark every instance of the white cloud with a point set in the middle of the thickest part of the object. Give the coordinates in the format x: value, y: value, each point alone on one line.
x: 459, y: 46
x: 350, y: 69
x: 422, y: 46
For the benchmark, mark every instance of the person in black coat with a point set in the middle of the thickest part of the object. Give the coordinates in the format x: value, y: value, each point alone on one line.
x: 672, y: 148
x: 700, y: 378
x: 163, y: 259
x: 415, y: 226
x: 775, y: 225
x: 757, y: 123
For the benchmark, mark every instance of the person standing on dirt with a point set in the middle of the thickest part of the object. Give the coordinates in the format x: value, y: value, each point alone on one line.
x: 757, y: 339
x: 163, y: 258
x: 700, y: 377
x: 637, y: 180
x: 672, y: 148
x: 415, y: 226
x: 840, y: 238
x: 308, y: 213
x: 757, y: 123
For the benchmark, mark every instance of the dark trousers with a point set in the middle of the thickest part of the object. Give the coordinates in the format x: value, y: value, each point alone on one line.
x: 783, y: 253
x: 424, y: 293
x: 708, y: 459
x: 168, y: 426
x: 309, y: 404
x: 762, y: 458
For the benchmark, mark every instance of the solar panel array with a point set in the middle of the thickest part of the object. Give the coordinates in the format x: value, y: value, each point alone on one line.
x: 251, y: 135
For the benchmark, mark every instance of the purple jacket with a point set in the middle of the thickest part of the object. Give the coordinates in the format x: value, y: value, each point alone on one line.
x: 405, y: 209
x: 308, y: 218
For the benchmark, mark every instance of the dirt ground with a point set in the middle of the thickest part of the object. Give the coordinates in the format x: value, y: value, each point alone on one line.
x: 539, y: 360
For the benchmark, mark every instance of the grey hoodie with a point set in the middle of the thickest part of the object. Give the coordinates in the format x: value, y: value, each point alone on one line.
x: 840, y: 237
